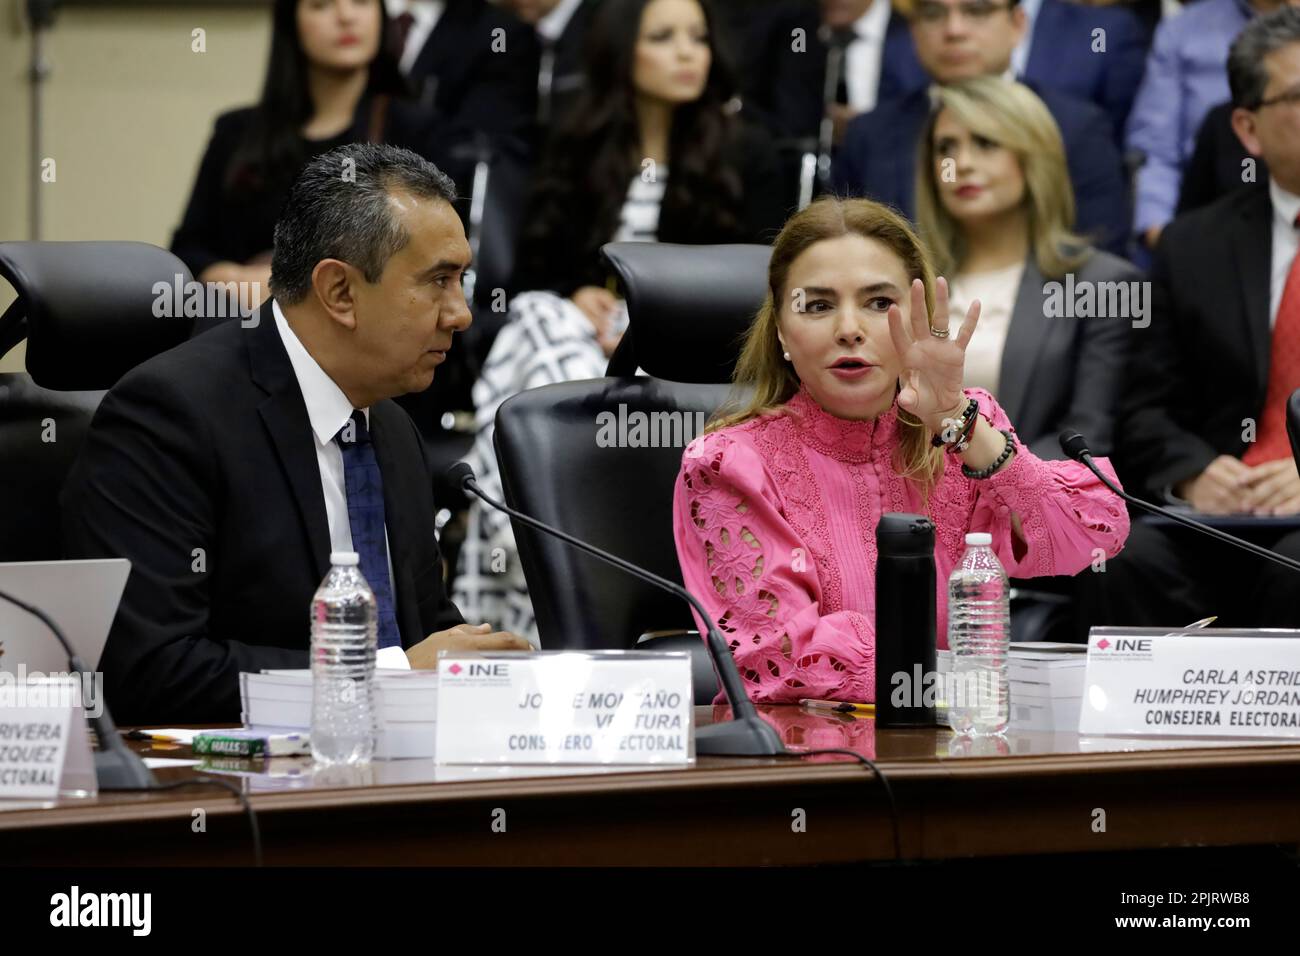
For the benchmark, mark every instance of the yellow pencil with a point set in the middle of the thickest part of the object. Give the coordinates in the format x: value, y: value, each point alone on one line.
x: 838, y: 706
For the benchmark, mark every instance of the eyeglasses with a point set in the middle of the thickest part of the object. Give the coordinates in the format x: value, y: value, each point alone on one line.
x: 1291, y: 97
x: 976, y: 11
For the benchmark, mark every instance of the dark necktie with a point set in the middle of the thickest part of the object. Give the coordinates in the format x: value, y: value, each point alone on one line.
x: 365, y: 490
x: 399, y: 28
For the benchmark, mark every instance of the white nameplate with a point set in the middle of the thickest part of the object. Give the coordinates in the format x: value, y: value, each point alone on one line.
x: 44, y: 746
x: 574, y: 707
x: 1198, y: 683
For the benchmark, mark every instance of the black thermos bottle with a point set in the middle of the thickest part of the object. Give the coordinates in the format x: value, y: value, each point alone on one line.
x: 905, y: 619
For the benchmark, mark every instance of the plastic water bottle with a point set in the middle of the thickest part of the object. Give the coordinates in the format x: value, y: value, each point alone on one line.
x: 344, y: 638
x: 979, y: 637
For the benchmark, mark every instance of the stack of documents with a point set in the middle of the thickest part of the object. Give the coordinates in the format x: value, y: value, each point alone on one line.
x: 1047, y: 685
x: 406, y: 705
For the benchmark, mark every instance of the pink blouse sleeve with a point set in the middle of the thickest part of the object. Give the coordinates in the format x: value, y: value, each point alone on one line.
x: 759, y: 581
x: 1069, y: 518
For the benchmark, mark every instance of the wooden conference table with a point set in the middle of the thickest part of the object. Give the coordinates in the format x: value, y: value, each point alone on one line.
x: 1034, y: 792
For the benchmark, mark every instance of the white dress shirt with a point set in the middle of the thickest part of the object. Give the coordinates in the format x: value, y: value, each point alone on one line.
x: 1286, y: 206
x: 864, y: 56
x: 996, y: 291
x: 425, y: 15
x: 1020, y: 55
x: 328, y: 410
x: 552, y: 26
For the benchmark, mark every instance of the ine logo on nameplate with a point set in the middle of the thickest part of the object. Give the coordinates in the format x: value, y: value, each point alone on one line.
x: 1212, y: 682
x: 565, y: 707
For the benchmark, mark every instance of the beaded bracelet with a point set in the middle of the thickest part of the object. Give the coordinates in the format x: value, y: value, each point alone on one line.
x: 960, y: 440
x: 1008, y: 450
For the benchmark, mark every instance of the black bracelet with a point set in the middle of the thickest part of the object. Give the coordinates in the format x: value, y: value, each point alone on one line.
x: 988, y: 472
x: 966, y: 429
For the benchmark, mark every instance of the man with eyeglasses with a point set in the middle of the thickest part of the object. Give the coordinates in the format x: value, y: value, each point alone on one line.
x: 1203, y: 410
x: 960, y: 39
x: 1184, y: 79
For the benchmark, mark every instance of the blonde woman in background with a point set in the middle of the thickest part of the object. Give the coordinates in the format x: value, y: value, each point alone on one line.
x: 995, y: 207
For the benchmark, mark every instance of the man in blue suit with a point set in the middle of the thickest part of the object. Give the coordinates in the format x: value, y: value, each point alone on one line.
x: 1063, y: 51
x: 955, y: 41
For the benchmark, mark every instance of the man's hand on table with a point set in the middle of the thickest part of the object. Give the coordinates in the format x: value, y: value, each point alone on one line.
x: 463, y: 637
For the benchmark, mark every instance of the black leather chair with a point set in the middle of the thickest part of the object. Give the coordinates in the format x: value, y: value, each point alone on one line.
x: 688, y: 307
x: 565, y: 458
x: 87, y: 311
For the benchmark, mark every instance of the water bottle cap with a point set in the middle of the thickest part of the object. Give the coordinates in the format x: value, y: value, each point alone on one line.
x: 979, y: 537
x: 345, y: 558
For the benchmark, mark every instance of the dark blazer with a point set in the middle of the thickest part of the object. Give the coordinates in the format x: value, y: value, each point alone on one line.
x: 784, y: 87
x: 878, y: 160
x: 1202, y: 366
x: 1061, y: 55
x: 1058, y: 372
x: 1216, y: 166
x: 225, y: 224
x: 472, y: 86
x: 570, y: 71
x: 200, y: 467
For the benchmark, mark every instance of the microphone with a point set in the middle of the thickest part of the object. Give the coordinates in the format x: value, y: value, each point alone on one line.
x: 117, y: 766
x: 746, y: 734
x: 1075, y: 447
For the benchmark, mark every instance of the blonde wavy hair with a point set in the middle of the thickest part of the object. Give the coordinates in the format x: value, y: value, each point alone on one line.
x: 766, y: 381
x: 1011, y: 115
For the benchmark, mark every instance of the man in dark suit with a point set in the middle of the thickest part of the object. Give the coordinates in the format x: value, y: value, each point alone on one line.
x: 561, y: 29
x: 475, y: 66
x: 787, y: 51
x: 1203, y: 422
x: 1093, y: 53
x: 229, y: 468
x: 878, y: 157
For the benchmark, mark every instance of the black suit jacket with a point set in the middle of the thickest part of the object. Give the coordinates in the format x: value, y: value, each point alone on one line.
x: 478, y: 71
x: 1059, y: 373
x: 1202, y: 366
x: 200, y: 467
x: 569, y: 76
x: 784, y: 86
x: 878, y: 160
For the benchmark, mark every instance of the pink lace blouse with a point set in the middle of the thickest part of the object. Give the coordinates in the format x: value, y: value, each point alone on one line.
x: 775, y: 522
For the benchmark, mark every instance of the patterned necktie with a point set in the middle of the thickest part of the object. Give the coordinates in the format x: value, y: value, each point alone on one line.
x: 365, y: 490
x: 1283, y: 374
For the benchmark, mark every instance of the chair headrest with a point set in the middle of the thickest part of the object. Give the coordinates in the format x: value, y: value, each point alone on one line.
x: 90, y: 310
x: 689, y: 306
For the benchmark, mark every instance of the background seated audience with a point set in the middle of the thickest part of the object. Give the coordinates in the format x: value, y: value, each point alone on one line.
x: 1203, y: 408
x: 652, y: 152
x: 878, y: 157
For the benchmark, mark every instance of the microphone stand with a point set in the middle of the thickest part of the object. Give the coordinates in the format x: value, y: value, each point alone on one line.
x: 746, y: 734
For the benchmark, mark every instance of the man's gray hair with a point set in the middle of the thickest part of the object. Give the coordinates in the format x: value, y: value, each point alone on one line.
x: 338, y: 208
x: 1247, y: 74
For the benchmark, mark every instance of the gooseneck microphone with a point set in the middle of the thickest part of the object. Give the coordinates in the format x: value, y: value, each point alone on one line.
x: 1075, y: 447
x: 117, y: 766
x: 746, y: 734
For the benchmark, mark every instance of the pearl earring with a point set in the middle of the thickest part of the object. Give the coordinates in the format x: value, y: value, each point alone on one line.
x: 786, y: 356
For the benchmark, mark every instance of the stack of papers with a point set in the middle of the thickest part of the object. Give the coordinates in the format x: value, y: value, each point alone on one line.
x: 406, y: 706
x: 1047, y: 685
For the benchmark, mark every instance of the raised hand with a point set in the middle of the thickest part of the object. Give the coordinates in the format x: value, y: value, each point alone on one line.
x: 932, y: 365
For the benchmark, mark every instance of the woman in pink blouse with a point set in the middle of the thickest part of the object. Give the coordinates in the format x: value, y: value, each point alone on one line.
x: 776, y: 506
